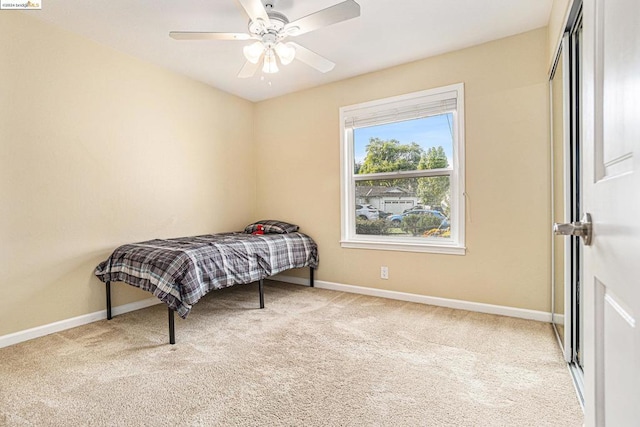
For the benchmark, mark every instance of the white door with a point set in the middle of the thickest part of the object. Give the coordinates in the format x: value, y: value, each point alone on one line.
x: 611, y: 187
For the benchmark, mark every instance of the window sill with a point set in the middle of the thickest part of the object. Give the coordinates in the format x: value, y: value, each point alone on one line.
x: 404, y: 247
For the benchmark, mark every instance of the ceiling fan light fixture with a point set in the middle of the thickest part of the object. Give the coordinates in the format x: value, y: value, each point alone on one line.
x: 286, y: 52
x: 270, y: 64
x: 253, y: 52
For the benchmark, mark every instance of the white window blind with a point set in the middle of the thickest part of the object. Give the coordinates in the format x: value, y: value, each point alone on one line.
x: 395, y: 111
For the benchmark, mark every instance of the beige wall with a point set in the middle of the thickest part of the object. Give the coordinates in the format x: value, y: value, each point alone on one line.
x: 99, y: 149
x: 507, y: 175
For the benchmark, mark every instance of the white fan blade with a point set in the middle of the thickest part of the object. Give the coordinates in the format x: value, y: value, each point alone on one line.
x: 332, y: 15
x: 312, y: 59
x: 255, y: 10
x: 248, y: 69
x: 193, y: 35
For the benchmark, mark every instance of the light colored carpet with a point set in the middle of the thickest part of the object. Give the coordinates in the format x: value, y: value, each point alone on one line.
x: 312, y: 357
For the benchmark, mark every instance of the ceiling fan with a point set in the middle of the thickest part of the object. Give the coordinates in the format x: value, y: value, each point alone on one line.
x: 270, y: 28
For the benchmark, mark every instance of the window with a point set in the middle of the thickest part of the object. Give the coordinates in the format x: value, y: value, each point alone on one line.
x: 402, y: 172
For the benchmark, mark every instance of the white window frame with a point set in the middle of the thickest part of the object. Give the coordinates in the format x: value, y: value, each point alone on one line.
x: 408, y: 106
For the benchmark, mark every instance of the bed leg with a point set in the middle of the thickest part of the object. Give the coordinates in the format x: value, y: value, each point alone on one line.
x: 108, y: 300
x: 172, y: 328
x: 261, y: 289
x: 311, y: 270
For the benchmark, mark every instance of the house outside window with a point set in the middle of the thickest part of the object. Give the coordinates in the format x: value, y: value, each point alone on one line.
x: 402, y: 172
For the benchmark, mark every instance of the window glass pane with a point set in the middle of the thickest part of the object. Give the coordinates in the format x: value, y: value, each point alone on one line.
x: 409, y: 207
x: 416, y: 144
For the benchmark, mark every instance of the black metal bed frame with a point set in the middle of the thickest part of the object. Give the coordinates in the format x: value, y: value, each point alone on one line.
x: 172, y: 328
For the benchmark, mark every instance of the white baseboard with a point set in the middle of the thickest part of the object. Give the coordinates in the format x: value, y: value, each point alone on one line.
x: 522, y: 313
x: 558, y: 319
x: 40, y: 331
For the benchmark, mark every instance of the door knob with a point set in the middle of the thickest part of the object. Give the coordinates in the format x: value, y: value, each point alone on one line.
x: 582, y: 228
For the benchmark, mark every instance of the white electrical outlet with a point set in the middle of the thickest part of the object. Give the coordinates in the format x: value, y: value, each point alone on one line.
x: 384, y: 272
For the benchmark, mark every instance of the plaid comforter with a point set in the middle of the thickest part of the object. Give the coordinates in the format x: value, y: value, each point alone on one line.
x: 181, y: 271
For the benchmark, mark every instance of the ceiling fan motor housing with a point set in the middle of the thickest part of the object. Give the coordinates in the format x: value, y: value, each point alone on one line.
x: 276, y: 23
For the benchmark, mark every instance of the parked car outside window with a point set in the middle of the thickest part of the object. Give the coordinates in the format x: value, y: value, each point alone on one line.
x: 397, y: 219
x: 413, y: 208
x: 366, y: 212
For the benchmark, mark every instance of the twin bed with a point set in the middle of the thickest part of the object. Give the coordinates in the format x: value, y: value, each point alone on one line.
x: 180, y: 271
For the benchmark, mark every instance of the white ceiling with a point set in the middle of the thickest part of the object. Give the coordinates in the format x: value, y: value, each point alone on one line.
x: 388, y: 33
